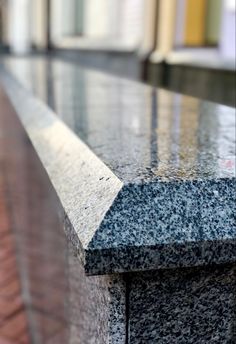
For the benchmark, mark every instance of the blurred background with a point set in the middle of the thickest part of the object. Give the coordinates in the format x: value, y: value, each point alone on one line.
x: 184, y: 45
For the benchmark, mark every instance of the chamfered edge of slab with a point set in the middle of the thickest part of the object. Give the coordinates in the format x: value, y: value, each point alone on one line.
x: 165, y: 225
x: 113, y: 226
x: 85, y: 186
x: 136, y: 235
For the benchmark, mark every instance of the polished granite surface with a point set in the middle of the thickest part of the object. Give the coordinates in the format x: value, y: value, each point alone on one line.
x: 170, y: 166
x: 141, y: 133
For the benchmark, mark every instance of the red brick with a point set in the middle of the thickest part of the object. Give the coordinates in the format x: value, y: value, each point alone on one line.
x: 47, y: 325
x: 7, y: 242
x: 14, y: 326
x: 11, y: 289
x: 7, y: 269
x: 8, y: 307
x: 6, y: 341
x: 4, y: 219
x: 4, y: 254
x: 61, y: 337
x: 25, y: 339
x: 7, y: 275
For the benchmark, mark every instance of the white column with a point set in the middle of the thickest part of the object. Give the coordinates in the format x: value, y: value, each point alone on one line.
x: 69, y: 18
x: 132, y: 22
x: 96, y: 18
x: 56, y: 20
x: 39, y: 23
x: 166, y: 26
x: 19, y: 26
x: 227, y: 36
x: 148, y: 32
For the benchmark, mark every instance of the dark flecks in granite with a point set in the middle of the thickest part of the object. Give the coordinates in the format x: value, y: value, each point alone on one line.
x: 182, y: 224
x: 173, y: 155
x: 166, y: 213
x: 95, y: 306
x: 183, y: 306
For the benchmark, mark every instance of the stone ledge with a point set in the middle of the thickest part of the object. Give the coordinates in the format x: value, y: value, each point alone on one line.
x: 145, y: 214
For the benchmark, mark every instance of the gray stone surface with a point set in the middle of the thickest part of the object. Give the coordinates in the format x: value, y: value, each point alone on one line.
x: 183, y: 306
x: 146, y: 177
x: 96, y: 306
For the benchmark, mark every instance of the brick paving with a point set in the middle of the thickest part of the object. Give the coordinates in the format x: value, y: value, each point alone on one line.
x: 32, y: 243
x: 13, y: 318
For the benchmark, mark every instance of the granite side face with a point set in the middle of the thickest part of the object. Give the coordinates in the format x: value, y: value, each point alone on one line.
x: 170, y: 224
x: 183, y: 306
x: 145, y: 177
x: 95, y: 306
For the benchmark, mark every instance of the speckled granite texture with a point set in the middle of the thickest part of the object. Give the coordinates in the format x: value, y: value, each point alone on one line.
x: 183, y: 306
x: 95, y: 307
x: 146, y: 177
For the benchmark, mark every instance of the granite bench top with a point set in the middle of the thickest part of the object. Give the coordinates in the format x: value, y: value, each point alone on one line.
x: 146, y: 177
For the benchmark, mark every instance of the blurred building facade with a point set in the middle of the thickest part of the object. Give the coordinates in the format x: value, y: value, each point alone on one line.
x: 135, y: 38
x: 112, y: 24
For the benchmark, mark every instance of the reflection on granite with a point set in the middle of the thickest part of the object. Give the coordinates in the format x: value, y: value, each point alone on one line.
x: 173, y: 155
x: 140, y: 132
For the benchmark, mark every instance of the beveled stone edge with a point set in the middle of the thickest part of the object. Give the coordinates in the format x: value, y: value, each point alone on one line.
x: 62, y: 165
x: 155, y: 257
x: 62, y: 155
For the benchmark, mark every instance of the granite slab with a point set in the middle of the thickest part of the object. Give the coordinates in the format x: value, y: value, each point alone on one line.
x: 183, y: 306
x: 96, y: 306
x: 145, y: 177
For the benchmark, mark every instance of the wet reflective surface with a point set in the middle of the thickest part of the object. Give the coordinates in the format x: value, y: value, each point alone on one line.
x: 141, y: 133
